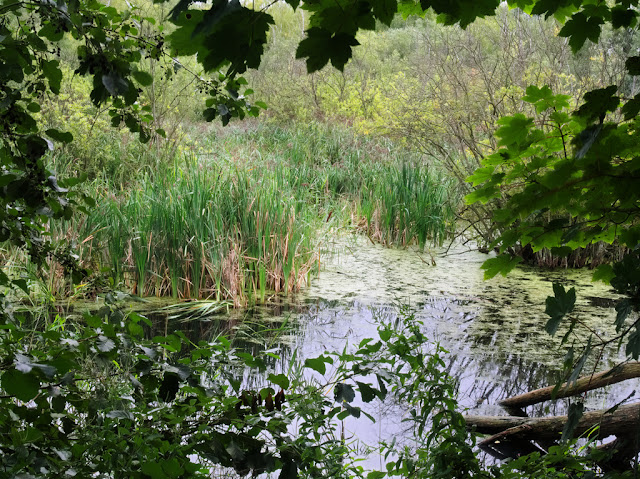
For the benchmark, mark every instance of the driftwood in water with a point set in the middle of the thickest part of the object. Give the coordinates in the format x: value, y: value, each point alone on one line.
x: 586, y: 383
x: 515, y: 435
x: 619, y: 422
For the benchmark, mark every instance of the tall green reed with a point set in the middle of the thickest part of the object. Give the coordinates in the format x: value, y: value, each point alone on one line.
x: 204, y: 230
x: 241, y: 217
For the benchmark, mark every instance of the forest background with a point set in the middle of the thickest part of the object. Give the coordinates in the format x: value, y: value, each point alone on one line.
x: 419, y: 108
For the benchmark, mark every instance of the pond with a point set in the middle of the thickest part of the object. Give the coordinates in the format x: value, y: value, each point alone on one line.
x: 493, y: 330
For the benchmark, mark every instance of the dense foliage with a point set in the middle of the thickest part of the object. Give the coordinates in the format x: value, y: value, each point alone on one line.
x: 76, y: 396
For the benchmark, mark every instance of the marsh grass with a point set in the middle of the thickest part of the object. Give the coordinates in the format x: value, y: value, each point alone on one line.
x: 242, y: 217
x: 203, y: 231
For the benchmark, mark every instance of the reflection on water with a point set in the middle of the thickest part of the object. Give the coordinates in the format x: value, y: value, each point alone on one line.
x: 494, y: 330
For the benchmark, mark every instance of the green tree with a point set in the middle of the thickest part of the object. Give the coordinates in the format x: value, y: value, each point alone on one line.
x: 581, y: 168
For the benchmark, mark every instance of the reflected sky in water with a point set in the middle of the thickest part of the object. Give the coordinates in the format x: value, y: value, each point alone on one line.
x: 493, y: 330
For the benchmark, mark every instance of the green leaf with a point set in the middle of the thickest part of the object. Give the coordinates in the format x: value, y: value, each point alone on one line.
x: 105, y: 344
x: 144, y: 78
x: 580, y: 28
x: 367, y: 392
x: 623, y: 310
x: 480, y: 175
x: 169, y: 387
x: 631, y: 108
x: 115, y: 84
x: 352, y: 410
x: 576, y: 411
x: 633, y: 345
x: 24, y: 387
x: 236, y: 453
x: 622, y: 17
x: 251, y: 361
x: 280, y: 380
x: 514, y: 129
x: 376, y: 475
x: 53, y: 75
x: 603, y: 273
x: 577, y: 369
x: 385, y: 10
x: 120, y: 414
x: 153, y: 469
x: 598, y: 102
x: 61, y: 136
x: 344, y: 392
x: 33, y: 107
x: 558, y: 306
x: 318, y: 364
x: 321, y: 46
x: 172, y: 467
x: 502, y: 264
x: 633, y: 65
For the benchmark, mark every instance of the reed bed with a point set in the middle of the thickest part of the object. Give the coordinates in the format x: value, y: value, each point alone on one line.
x: 240, y: 218
x: 202, y: 231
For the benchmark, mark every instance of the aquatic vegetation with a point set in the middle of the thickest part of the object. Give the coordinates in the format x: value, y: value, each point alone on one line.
x: 202, y: 231
x: 244, y: 217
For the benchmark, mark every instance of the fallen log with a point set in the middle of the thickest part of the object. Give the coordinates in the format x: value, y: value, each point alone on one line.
x: 618, y: 422
x: 585, y: 383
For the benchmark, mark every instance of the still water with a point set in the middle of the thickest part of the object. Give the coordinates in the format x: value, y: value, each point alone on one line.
x: 493, y: 330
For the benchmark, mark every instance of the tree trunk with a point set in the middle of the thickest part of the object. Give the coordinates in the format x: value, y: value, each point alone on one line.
x: 585, y: 383
x: 619, y: 423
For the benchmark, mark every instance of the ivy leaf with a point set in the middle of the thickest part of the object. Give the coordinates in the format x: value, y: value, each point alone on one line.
x: 559, y: 305
x: 580, y: 28
x: 344, y: 392
x: 502, y: 264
